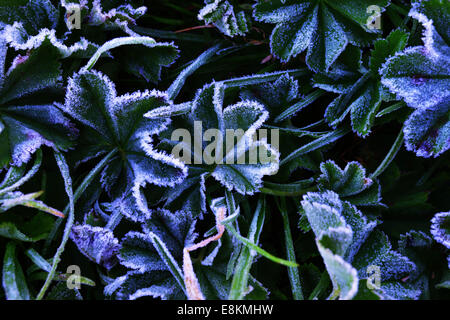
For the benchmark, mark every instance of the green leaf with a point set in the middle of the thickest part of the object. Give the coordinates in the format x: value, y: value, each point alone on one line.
x: 118, y: 122
x: 13, y: 279
x: 352, y: 250
x: 224, y: 16
x: 239, y: 284
x: 351, y: 183
x: 363, y: 99
x: 420, y: 76
x: 322, y: 28
x: 26, y: 127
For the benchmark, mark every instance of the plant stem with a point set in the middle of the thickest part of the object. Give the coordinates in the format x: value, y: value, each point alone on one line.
x: 70, y: 220
x: 201, y: 60
x: 117, y: 43
x: 294, y: 275
x: 390, y: 156
x: 79, y: 191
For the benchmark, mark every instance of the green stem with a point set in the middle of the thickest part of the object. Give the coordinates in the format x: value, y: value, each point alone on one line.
x: 117, y: 43
x: 70, y: 220
x: 201, y: 60
x: 294, y: 275
x: 390, y: 156
x: 262, y: 252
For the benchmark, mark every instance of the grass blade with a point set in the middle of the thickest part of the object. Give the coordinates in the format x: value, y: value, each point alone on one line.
x: 292, y: 110
x: 13, y: 279
x: 294, y: 275
x: 316, y: 144
x: 239, y: 283
x: 62, y: 164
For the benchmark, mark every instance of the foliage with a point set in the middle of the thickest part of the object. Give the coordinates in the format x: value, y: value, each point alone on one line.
x: 224, y: 149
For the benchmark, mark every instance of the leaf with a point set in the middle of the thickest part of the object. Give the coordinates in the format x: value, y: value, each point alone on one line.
x: 190, y: 195
x: 440, y: 228
x: 351, y: 184
x: 235, y: 164
x: 26, y: 127
x: 274, y: 96
x: 324, y: 29
x: 239, y: 285
x: 349, y: 247
x: 223, y: 15
x: 363, y: 98
x: 13, y: 279
x: 427, y: 131
x: 10, y: 230
x: 135, y: 285
x: 118, y: 122
x: 142, y: 251
x: 61, y: 292
x: 116, y: 16
x: 417, y: 246
x: 34, y: 14
x: 146, y: 60
x: 98, y: 244
x: 420, y: 76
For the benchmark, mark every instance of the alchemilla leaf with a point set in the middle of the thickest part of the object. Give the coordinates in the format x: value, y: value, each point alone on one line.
x: 225, y: 17
x: 420, y: 76
x: 117, y: 123
x: 224, y: 150
x: 323, y: 28
x: 352, y: 249
x: 29, y: 121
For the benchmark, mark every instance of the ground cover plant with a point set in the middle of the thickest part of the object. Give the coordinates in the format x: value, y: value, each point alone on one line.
x: 225, y: 149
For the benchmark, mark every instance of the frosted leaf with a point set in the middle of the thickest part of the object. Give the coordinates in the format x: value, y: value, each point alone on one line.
x: 427, y: 131
x: 110, y: 18
x: 343, y: 73
x: 440, y: 228
x: 418, y: 78
x: 147, y: 61
x: 224, y: 16
x: 322, y: 29
x: 155, y: 284
x: 275, y: 96
x: 363, y: 97
x: 433, y: 14
x: 18, y: 38
x: 416, y: 245
x: 138, y: 253
x: 176, y: 229
x: 25, y: 140
x: 3, y: 50
x: 25, y: 128
x: 97, y: 244
x: 378, y: 251
x: 33, y: 14
x: 246, y: 116
x: 119, y: 122
x: 190, y: 195
x: 349, y: 246
x: 351, y: 183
